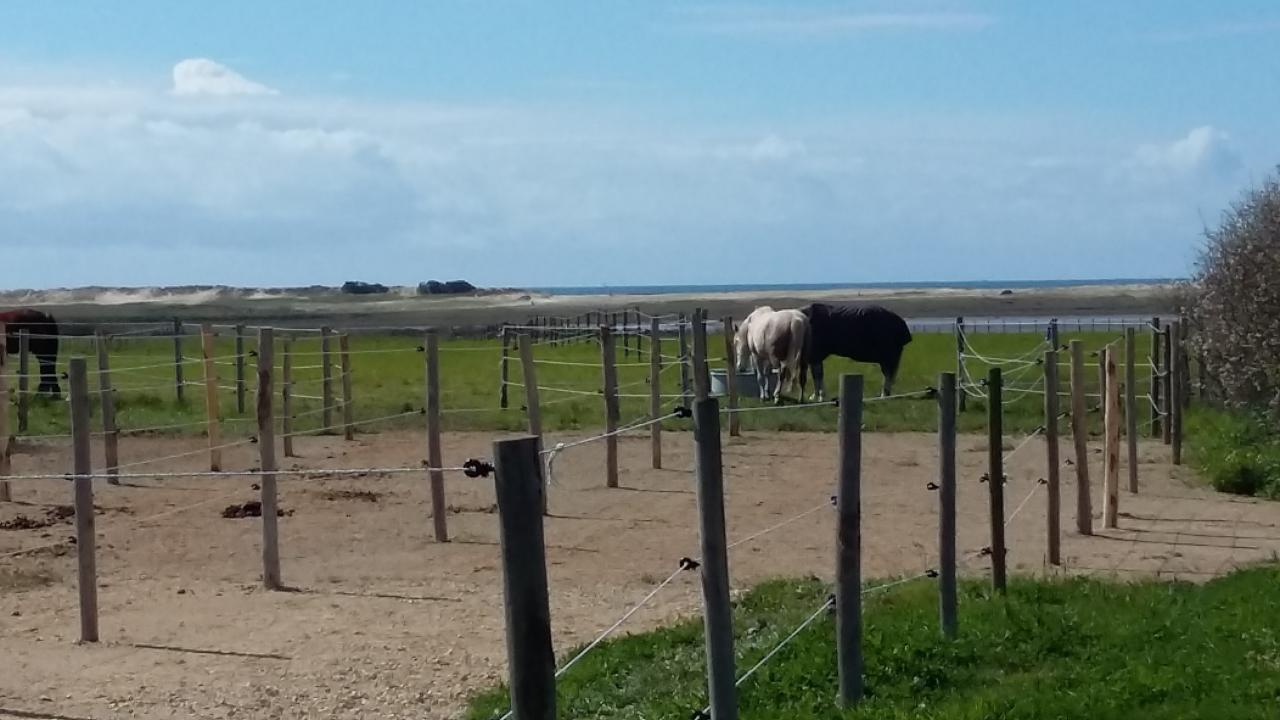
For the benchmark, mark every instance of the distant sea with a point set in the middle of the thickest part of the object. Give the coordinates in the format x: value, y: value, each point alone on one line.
x: 922, y: 284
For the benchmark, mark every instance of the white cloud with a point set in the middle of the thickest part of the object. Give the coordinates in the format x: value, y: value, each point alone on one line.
x: 201, y: 76
x: 801, y: 22
x: 1204, y: 150
x: 1218, y: 30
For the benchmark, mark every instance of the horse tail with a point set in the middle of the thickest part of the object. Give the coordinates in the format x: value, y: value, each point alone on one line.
x: 796, y: 350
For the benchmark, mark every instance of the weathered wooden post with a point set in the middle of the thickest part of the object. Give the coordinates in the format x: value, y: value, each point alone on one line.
x: 1111, y: 454
x: 504, y: 339
x: 961, y: 392
x: 1156, y: 381
x: 947, y: 611
x: 531, y: 401
x: 1131, y: 405
x: 326, y: 378
x: 348, y: 399
x: 431, y: 344
x: 24, y: 380
x: 1166, y: 380
x: 267, y: 459
x: 701, y: 376
x: 1175, y: 389
x: 609, y: 359
x: 286, y: 395
x: 731, y: 376
x: 211, y: 397
x: 86, y: 537
x: 107, y: 398
x: 1080, y: 437
x: 682, y: 338
x: 240, y: 361
x: 717, y: 612
x: 531, y: 660
x: 5, y: 494
x: 995, y: 475
x: 1053, y: 463
x: 655, y: 391
x: 849, y: 541
x: 179, y: 393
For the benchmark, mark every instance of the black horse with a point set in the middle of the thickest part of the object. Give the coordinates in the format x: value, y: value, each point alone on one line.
x: 862, y: 333
x: 42, y: 341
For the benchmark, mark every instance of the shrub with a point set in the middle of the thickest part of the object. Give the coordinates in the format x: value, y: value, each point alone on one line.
x: 1237, y: 451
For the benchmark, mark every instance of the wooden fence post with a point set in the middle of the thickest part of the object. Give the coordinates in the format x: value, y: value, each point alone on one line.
x: 731, y: 376
x: 1175, y: 389
x: 86, y: 537
x: 609, y: 358
x: 849, y: 541
x: 1156, y: 382
x: 5, y: 494
x: 682, y: 337
x: 240, y: 362
x: 1111, y: 454
x: 1080, y: 438
x: 717, y: 612
x: 326, y: 378
x: 1131, y: 405
x: 348, y: 406
x: 701, y: 376
x: 531, y: 401
x: 267, y: 459
x: 1166, y: 381
x: 655, y: 391
x: 431, y: 344
x: 1184, y: 365
x: 179, y: 393
x: 211, y: 397
x: 107, y: 398
x: 24, y: 380
x: 995, y: 475
x: 947, y: 504
x: 504, y: 339
x: 1053, y: 463
x: 961, y: 392
x: 286, y: 395
x: 531, y: 659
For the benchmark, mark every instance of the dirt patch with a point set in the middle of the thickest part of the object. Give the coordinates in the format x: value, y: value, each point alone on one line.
x: 19, y: 579
x: 253, y: 508
x: 365, y: 495
x: 486, y: 509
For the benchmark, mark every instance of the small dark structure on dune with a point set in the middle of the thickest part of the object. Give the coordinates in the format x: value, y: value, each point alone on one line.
x: 862, y: 333
x: 42, y: 341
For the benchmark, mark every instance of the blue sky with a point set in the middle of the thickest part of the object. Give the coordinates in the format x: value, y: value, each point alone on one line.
x: 578, y: 143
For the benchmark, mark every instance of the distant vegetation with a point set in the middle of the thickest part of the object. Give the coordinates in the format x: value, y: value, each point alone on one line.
x: 452, y: 287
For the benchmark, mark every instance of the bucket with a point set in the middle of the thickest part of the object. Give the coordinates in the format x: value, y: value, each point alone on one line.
x: 745, y: 383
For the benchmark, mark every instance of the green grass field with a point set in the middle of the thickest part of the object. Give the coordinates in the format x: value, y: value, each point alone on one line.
x: 1051, y: 649
x: 388, y: 379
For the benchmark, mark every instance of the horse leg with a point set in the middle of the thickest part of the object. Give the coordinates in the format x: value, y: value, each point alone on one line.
x: 818, y: 393
x: 889, y: 368
x: 48, y: 377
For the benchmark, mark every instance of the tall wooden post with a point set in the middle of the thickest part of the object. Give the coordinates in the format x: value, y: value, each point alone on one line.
x: 1166, y: 381
x: 1111, y: 454
x: 531, y: 401
x: 682, y: 338
x: 961, y: 392
x: 240, y: 358
x: 731, y: 376
x: 655, y: 391
x: 717, y: 612
x: 1080, y: 437
x: 5, y: 450
x: 212, y: 430
x: 1131, y: 405
x: 995, y: 475
x: 1156, y: 381
x: 1053, y: 463
x: 609, y: 358
x: 504, y: 339
x: 178, y: 391
x: 286, y: 396
x: 431, y: 344
x: 531, y: 660
x: 86, y: 536
x: 107, y: 399
x: 849, y: 541
x: 267, y: 459
x: 326, y: 378
x: 1175, y: 389
x: 348, y: 399
x: 947, y: 505
x: 24, y: 380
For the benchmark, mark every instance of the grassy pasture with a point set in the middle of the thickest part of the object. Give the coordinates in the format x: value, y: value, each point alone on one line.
x: 388, y: 378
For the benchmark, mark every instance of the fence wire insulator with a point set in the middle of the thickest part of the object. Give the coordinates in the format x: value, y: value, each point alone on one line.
x: 930, y: 392
x: 682, y: 412
x: 419, y: 348
x: 687, y: 563
x: 253, y: 440
x: 700, y: 715
x: 985, y: 477
x: 253, y: 353
x: 1042, y: 481
x: 835, y: 500
x: 985, y: 551
x: 474, y: 468
x: 931, y: 573
x: 932, y: 486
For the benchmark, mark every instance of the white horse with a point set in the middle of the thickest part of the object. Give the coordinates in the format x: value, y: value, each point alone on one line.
x: 773, y: 340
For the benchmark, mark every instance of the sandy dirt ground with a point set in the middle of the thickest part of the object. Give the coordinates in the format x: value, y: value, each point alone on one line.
x: 385, y: 622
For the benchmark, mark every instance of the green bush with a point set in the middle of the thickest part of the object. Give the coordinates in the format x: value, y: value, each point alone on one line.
x: 1237, y: 452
